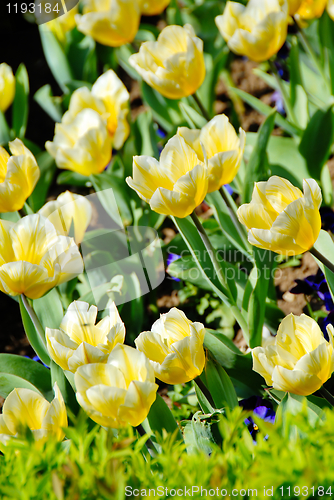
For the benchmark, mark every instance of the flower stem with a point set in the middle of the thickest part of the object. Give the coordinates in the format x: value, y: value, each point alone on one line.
x: 327, y: 395
x: 149, y: 444
x: 34, y: 319
x: 322, y: 259
x: 201, y: 107
x: 284, y: 93
x: 308, y: 48
x: 239, y: 227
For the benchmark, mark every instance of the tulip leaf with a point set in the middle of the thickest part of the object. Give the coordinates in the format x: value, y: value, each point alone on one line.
x: 56, y: 58
x: 203, y: 401
x: 266, y: 110
x: 145, y: 130
x: 35, y: 340
x: 48, y: 103
x: 325, y: 246
x: 160, y: 417
x: 317, y: 140
x: 291, y: 405
x: 28, y: 370
x: 326, y: 34
x: 9, y: 382
x: 5, y: 136
x: 258, y: 167
x: 220, y: 386
x: 21, y: 101
x: 58, y: 375
x: 47, y: 168
x: 49, y: 309
x: 74, y: 179
x: 165, y: 111
x: 192, y: 117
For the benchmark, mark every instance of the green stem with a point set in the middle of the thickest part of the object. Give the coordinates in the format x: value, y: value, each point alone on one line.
x: 284, y: 93
x: 308, y: 48
x: 239, y: 227
x: 309, y: 308
x: 201, y: 107
x: 322, y: 259
x: 34, y: 319
x: 327, y: 395
x: 149, y: 444
x: 212, y: 253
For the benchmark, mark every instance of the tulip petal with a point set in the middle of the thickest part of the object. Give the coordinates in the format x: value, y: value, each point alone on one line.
x: 24, y: 407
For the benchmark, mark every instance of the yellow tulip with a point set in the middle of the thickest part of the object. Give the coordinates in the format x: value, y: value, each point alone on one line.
x: 25, y: 408
x: 118, y: 392
x: 174, y: 64
x: 257, y: 30
x: 63, y: 24
x: 222, y: 147
x: 110, y: 99
x: 294, y: 6
x: 281, y: 218
x: 83, y: 145
x: 110, y: 22
x: 311, y: 9
x: 300, y: 361
x: 176, y: 184
x: 68, y: 208
x: 153, y: 7
x: 330, y: 8
x: 34, y: 258
x: 18, y: 176
x: 174, y: 347
x: 79, y: 341
x: 7, y: 86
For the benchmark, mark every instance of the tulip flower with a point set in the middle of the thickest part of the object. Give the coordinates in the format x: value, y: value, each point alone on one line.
x: 281, y: 218
x: 7, y: 86
x: 83, y: 145
x: 118, y: 392
x: 34, y: 258
x: 153, y: 7
x: 330, y: 8
x: 19, y: 174
x: 294, y: 6
x: 222, y: 148
x: 69, y: 208
x: 110, y: 99
x: 300, y: 361
x: 311, y: 9
x: 174, y: 64
x: 176, y: 184
x: 257, y: 30
x: 25, y: 408
x: 63, y: 24
x: 110, y: 22
x: 174, y: 347
x: 80, y: 341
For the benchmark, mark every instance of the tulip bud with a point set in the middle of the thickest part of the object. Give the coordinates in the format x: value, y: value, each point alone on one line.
x: 257, y: 30
x: 174, y: 347
x: 118, y: 392
x: 63, y: 24
x: 79, y: 341
x: 281, y: 218
x: 18, y: 176
x: 69, y: 208
x: 153, y: 7
x: 83, y: 145
x: 176, y: 184
x: 222, y: 147
x: 7, y: 86
x: 110, y: 22
x: 25, y: 408
x: 174, y: 64
x: 34, y: 258
x: 300, y: 361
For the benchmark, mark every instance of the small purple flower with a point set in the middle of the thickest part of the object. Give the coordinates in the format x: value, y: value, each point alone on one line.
x: 261, y: 408
x: 160, y: 133
x: 327, y: 219
x: 228, y: 189
x: 277, y: 99
x: 38, y: 360
x: 172, y: 257
x: 315, y: 283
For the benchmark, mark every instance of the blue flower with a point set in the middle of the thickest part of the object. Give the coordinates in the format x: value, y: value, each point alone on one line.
x: 315, y: 283
x: 327, y: 219
x: 172, y: 257
x: 261, y: 408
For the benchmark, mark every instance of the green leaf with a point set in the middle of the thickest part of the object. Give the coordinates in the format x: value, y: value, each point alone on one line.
x: 47, y: 168
x: 203, y: 402
x: 220, y: 386
x: 145, y: 130
x: 48, y: 103
x: 20, y: 108
x: 192, y: 117
x: 58, y: 375
x: 198, y: 436
x: 257, y: 167
x: 326, y: 34
x: 36, y: 342
x: 291, y: 405
x: 165, y: 111
x: 325, y: 246
x: 160, y: 417
x: 27, y: 369
x: 9, y: 382
x: 73, y: 178
x: 317, y: 140
x: 56, y: 58
x: 103, y: 183
x: 266, y: 110
x: 49, y: 309
x: 5, y: 136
